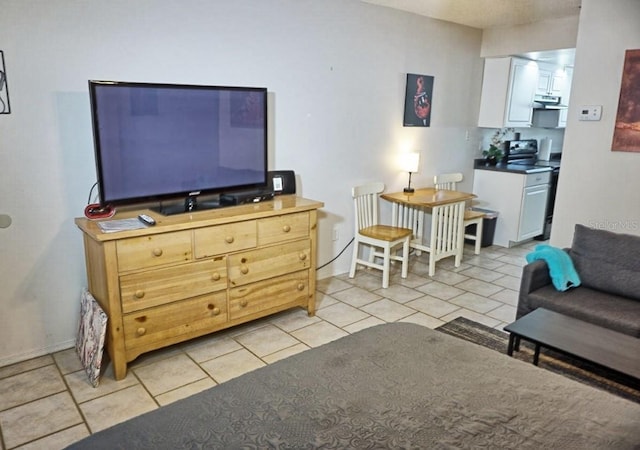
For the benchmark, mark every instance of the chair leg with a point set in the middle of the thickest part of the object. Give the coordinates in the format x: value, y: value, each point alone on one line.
x: 385, y: 267
x: 432, y: 263
x: 478, y: 237
x: 405, y: 258
x: 460, y: 231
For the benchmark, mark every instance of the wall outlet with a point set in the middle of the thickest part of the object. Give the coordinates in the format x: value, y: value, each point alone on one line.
x: 336, y: 234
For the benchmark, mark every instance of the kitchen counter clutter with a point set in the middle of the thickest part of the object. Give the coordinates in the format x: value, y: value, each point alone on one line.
x: 537, y: 167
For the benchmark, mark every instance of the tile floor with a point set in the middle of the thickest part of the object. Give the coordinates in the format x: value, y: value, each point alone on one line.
x: 47, y: 403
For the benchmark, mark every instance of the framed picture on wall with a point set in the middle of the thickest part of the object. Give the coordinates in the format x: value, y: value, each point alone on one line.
x: 626, y: 134
x: 417, y: 102
x: 5, y: 106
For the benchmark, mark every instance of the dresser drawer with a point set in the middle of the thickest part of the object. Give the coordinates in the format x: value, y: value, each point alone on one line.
x: 283, y: 228
x: 269, y: 295
x: 163, y: 323
x: 159, y: 286
x: 269, y: 262
x: 221, y: 239
x: 153, y: 250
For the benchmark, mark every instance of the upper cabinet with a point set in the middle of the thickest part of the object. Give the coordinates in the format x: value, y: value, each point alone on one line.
x: 551, y: 80
x: 566, y: 91
x: 508, y: 89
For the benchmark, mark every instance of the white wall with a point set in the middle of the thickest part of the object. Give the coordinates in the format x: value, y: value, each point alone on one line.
x: 335, y: 70
x: 597, y: 187
x: 550, y: 34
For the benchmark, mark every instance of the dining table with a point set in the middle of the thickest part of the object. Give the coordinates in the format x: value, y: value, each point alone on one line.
x: 446, y: 232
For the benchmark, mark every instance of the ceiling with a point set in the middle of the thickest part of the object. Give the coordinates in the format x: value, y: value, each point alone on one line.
x: 493, y: 14
x: 486, y: 13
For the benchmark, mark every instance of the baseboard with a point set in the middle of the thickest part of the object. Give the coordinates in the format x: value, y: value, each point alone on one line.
x: 14, y: 359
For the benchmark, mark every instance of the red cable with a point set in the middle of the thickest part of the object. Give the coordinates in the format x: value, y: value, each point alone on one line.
x: 94, y: 211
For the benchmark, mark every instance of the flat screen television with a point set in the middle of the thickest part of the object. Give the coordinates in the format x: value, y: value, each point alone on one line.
x: 156, y: 142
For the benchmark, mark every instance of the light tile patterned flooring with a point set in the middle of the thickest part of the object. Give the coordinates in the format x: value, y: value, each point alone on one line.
x: 47, y: 402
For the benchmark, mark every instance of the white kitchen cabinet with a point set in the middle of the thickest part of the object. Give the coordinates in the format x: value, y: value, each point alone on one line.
x: 532, y: 211
x: 564, y: 95
x: 508, y: 88
x: 520, y: 200
x: 551, y: 80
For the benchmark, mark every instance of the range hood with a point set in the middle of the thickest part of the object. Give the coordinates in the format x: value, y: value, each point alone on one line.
x: 548, y: 102
x: 549, y: 118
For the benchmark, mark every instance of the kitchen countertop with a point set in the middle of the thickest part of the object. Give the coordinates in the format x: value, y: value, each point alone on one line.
x: 538, y: 167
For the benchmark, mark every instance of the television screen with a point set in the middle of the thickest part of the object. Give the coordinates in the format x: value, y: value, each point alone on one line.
x: 156, y: 141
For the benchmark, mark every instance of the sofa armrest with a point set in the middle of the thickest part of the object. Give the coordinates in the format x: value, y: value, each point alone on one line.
x: 535, y: 275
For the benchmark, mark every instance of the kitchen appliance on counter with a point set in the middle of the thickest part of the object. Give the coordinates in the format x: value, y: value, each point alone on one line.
x: 519, y: 156
x: 522, y: 151
x: 544, y: 154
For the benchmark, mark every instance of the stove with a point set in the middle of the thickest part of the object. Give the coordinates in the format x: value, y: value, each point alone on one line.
x: 524, y: 154
x: 523, y: 151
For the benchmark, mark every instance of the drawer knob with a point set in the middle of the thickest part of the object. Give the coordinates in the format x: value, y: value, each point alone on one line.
x: 244, y: 269
x: 301, y: 286
x: 139, y: 293
x: 243, y: 303
x: 286, y: 228
x: 141, y: 331
x: 302, y: 256
x: 216, y: 311
x: 157, y: 252
x: 215, y: 276
x: 229, y: 239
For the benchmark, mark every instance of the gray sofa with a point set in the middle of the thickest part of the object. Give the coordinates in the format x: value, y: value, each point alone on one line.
x: 608, y: 264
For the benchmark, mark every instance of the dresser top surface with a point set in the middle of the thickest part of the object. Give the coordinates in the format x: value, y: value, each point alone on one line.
x: 283, y: 204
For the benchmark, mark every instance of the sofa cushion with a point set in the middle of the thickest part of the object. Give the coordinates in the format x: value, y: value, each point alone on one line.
x: 610, y: 311
x: 607, y: 261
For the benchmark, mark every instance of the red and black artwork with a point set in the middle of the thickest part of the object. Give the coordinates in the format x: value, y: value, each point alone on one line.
x: 417, y: 104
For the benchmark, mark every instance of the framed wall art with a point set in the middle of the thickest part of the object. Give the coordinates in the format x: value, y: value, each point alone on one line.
x: 417, y: 102
x: 5, y: 106
x: 626, y: 135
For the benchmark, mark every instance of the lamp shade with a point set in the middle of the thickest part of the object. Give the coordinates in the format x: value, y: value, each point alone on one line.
x: 409, y: 162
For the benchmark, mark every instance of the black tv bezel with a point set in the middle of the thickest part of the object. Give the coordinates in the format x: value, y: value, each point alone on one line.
x: 167, y: 196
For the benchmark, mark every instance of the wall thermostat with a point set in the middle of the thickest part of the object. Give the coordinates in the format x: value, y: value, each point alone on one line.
x: 590, y: 112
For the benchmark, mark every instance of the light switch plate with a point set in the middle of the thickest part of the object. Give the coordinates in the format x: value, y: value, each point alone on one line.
x: 590, y: 112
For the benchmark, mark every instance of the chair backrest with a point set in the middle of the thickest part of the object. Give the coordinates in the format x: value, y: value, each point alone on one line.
x: 447, y: 181
x: 408, y: 217
x: 365, y: 199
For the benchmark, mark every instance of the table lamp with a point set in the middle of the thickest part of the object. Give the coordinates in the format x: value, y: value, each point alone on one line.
x: 409, y: 163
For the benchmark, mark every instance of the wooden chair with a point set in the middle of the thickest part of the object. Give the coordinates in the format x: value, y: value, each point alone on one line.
x: 446, y: 234
x: 382, y: 240
x: 448, y: 181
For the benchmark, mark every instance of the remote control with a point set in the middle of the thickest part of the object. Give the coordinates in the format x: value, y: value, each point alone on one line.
x: 148, y: 220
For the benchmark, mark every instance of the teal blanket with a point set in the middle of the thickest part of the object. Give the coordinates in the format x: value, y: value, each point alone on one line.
x: 561, y: 270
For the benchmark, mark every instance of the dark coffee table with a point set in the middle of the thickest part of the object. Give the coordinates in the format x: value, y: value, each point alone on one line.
x: 574, y: 337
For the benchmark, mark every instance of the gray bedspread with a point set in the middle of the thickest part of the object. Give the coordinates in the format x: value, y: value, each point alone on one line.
x: 390, y: 386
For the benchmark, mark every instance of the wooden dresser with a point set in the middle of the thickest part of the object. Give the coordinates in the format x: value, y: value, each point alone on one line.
x: 195, y: 273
